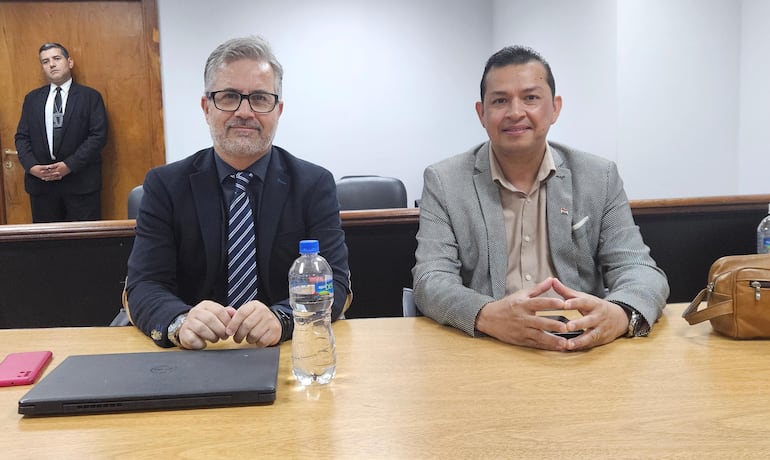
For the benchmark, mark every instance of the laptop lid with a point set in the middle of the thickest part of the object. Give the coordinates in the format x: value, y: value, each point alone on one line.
x: 84, y: 384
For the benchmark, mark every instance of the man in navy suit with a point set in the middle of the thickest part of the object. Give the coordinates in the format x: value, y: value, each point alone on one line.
x: 60, y: 137
x: 177, y: 287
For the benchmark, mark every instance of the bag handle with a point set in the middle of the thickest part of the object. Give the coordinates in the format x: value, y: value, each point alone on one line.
x: 693, y: 316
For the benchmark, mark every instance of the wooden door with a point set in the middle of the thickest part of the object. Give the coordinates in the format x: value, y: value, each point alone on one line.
x: 115, y: 48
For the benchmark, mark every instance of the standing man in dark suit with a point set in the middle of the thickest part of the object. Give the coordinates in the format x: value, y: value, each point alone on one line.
x: 60, y: 137
x: 179, y: 285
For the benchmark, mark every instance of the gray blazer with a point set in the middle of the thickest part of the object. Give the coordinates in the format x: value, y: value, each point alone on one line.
x: 596, y: 247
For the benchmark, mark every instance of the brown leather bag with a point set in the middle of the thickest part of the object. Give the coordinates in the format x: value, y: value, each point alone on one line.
x: 737, y: 297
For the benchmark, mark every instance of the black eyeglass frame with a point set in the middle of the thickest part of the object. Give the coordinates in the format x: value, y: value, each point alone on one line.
x: 211, y: 95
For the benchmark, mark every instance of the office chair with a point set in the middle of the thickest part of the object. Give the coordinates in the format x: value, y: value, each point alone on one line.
x: 134, y: 198
x: 370, y: 192
x: 407, y: 304
x: 122, y: 318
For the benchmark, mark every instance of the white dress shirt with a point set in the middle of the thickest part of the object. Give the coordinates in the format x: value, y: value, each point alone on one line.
x: 65, y: 90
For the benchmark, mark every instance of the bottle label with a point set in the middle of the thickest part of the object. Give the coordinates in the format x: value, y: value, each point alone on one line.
x: 324, y: 285
x: 766, y: 244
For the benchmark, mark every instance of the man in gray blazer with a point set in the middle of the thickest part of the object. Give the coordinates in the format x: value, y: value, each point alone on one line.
x: 518, y: 225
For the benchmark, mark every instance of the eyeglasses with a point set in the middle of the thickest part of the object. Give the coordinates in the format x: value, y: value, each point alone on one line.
x: 230, y: 101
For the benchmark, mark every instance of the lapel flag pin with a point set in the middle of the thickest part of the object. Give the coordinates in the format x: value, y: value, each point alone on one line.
x: 564, y: 211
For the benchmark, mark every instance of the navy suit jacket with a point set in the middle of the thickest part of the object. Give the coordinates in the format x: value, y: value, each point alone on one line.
x: 83, y: 138
x: 179, y: 255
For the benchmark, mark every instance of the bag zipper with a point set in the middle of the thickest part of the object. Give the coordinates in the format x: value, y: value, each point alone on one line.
x: 758, y: 286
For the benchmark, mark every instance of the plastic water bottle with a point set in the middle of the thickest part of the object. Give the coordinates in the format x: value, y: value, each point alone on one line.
x: 311, y: 294
x: 763, y: 234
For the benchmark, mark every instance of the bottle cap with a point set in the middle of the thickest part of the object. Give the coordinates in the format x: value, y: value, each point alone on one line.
x: 308, y: 246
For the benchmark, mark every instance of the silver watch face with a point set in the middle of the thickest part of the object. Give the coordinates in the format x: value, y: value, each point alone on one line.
x: 173, y: 329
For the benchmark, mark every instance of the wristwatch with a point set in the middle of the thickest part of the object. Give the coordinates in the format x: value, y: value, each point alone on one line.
x: 173, y: 329
x: 286, y: 320
x: 637, y: 325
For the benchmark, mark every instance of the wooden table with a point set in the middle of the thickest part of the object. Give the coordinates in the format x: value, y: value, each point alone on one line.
x: 409, y: 388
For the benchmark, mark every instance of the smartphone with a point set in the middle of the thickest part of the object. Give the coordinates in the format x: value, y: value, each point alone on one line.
x: 23, y: 368
x: 566, y: 335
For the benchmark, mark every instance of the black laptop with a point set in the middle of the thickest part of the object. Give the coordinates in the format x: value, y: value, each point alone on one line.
x: 87, y: 384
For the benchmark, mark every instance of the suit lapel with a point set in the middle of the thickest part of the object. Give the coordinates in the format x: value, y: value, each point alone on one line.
x: 39, y: 108
x: 560, y: 214
x: 204, y: 183
x: 73, y: 99
x: 492, y: 213
x: 274, y: 194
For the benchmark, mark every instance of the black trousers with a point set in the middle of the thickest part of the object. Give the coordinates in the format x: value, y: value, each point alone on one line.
x: 55, y: 206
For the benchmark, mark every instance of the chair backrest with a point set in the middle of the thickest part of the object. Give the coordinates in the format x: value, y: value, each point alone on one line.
x: 370, y: 192
x: 407, y: 303
x: 134, y: 198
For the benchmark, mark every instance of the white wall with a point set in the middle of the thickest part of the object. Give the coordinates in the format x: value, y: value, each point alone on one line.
x: 678, y: 73
x: 754, y: 140
x: 577, y: 38
x: 381, y: 87
x: 646, y: 83
x: 674, y: 91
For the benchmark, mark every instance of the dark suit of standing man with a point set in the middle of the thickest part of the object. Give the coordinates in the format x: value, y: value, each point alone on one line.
x: 63, y: 178
x: 178, y: 269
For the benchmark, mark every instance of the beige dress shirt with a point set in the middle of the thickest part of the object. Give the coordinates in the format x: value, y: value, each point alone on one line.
x: 529, y: 255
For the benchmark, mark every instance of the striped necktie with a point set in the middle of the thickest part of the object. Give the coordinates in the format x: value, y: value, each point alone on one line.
x: 241, y: 246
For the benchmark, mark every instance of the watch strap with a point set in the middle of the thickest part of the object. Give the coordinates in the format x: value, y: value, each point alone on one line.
x: 287, y: 321
x: 637, y: 324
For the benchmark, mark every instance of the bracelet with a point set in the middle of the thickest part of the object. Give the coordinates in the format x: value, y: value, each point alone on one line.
x: 174, y: 328
x: 287, y: 323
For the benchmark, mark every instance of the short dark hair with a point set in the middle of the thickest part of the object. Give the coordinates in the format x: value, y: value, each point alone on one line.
x: 48, y: 46
x: 516, y: 55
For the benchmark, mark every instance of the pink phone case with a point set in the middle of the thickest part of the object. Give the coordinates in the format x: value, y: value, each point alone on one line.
x: 23, y: 368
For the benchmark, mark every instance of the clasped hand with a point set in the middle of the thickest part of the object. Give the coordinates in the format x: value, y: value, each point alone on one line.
x: 52, y: 172
x: 514, y: 318
x: 211, y: 322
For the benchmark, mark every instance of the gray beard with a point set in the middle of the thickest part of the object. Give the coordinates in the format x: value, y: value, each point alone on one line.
x: 239, y: 147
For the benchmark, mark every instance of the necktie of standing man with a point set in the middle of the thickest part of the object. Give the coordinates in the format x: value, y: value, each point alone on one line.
x: 241, y: 245
x: 58, y: 119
